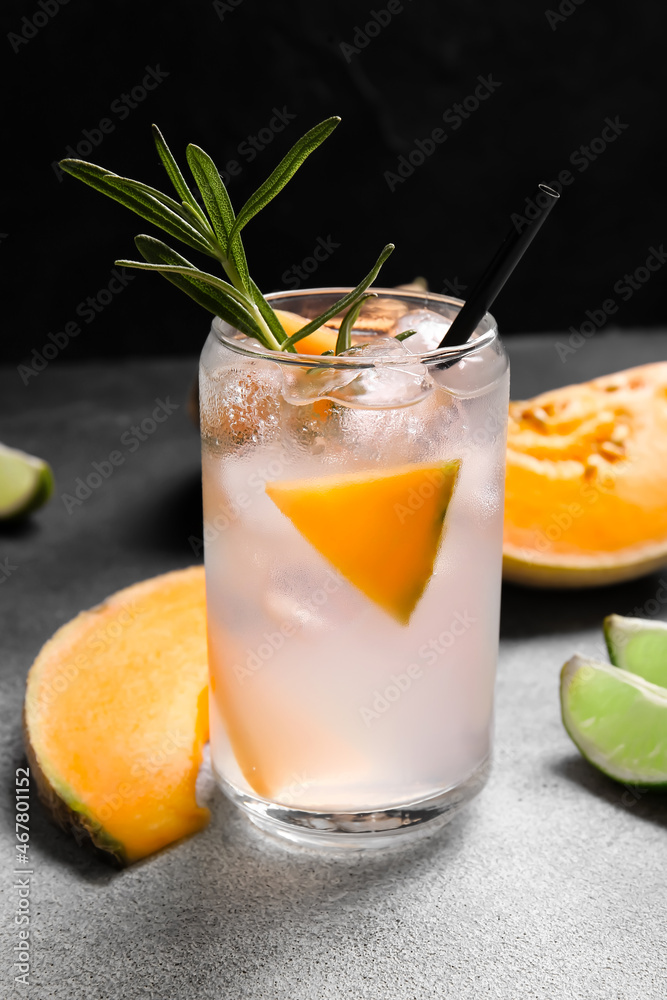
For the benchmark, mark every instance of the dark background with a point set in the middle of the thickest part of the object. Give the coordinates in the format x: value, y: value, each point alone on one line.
x: 230, y: 64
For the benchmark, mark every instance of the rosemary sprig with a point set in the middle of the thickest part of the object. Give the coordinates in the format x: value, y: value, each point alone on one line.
x: 344, y: 339
x: 215, y: 230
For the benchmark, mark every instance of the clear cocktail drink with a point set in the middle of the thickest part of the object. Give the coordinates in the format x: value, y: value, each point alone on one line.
x: 353, y: 530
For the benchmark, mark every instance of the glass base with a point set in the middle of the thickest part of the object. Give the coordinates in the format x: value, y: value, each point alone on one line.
x: 380, y: 828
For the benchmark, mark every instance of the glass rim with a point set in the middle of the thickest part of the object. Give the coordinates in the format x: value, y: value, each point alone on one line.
x: 438, y: 355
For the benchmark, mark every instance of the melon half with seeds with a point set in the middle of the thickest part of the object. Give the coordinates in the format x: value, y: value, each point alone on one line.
x: 586, y: 486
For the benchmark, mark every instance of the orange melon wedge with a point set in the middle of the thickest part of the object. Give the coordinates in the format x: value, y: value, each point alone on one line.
x: 380, y: 528
x: 318, y: 342
x: 116, y: 716
x: 586, y: 484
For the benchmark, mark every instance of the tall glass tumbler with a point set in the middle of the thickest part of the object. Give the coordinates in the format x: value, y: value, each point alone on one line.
x: 353, y: 514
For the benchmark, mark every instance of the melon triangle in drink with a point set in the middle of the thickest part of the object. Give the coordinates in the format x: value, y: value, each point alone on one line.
x: 380, y: 529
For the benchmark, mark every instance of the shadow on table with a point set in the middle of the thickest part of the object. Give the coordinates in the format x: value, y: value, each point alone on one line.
x: 305, y: 881
x: 647, y: 804
x: 531, y: 611
x: 170, y: 519
x: 21, y: 527
x: 300, y: 877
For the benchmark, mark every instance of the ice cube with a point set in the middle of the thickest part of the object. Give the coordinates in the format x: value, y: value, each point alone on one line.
x: 374, y: 387
x: 305, y: 385
x: 472, y: 375
x: 384, y: 386
x: 376, y: 348
x: 431, y: 327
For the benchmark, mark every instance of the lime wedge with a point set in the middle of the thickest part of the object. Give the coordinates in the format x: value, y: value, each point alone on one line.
x: 26, y: 482
x: 639, y: 646
x: 617, y: 720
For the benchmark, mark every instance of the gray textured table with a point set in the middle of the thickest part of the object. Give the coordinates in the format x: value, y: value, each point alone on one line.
x: 552, y: 883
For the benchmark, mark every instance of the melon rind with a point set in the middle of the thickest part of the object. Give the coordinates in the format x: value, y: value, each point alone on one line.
x: 59, y: 798
x: 569, y: 572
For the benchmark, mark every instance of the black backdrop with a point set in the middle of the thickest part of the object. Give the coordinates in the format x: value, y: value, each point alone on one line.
x: 242, y: 74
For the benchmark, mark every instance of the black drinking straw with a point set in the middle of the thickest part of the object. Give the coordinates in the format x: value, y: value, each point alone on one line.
x: 506, y: 258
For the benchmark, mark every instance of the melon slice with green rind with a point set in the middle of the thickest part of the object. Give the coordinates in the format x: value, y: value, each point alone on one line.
x: 617, y: 720
x: 381, y: 529
x: 26, y: 482
x: 116, y: 716
x: 639, y: 646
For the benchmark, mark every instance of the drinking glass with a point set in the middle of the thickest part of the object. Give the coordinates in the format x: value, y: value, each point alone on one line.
x: 353, y: 511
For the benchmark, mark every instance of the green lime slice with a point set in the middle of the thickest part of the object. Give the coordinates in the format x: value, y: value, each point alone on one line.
x: 639, y: 646
x: 26, y: 482
x: 617, y: 720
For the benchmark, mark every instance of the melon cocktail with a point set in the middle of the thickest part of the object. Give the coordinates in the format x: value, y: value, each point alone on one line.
x: 353, y: 481
x: 353, y: 531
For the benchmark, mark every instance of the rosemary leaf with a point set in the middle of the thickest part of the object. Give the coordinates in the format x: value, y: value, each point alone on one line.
x: 196, y: 220
x: 175, y: 175
x: 267, y: 313
x: 212, y: 297
x: 173, y: 222
x: 344, y: 341
x: 285, y: 170
x: 405, y: 334
x: 171, y: 262
x: 342, y: 304
x: 147, y: 207
x: 216, y: 231
x: 220, y: 211
x: 214, y: 193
